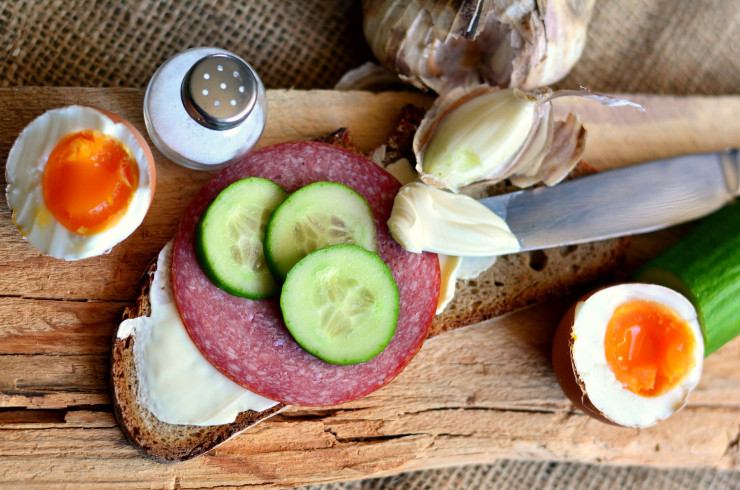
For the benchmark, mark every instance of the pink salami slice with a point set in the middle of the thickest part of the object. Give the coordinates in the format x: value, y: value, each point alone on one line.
x: 247, y: 340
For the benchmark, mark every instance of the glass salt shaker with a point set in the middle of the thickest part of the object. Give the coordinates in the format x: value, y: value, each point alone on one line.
x: 205, y: 108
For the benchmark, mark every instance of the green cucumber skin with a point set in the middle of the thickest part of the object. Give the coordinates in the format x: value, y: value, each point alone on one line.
x: 270, y: 290
x: 705, y: 267
x: 280, y: 272
x: 335, y: 252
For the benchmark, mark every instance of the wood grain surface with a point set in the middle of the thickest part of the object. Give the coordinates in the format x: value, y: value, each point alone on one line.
x: 474, y: 395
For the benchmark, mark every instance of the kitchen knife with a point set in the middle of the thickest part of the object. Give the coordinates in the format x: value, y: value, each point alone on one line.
x: 623, y: 201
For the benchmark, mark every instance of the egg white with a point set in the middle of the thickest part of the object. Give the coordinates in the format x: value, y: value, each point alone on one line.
x: 24, y: 175
x: 589, y: 356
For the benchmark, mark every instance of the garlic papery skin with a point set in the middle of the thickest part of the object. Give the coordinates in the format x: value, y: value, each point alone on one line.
x: 442, y: 44
x: 478, y: 138
x: 428, y: 219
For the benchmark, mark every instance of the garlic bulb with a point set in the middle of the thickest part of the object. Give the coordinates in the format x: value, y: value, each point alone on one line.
x: 442, y: 44
x: 483, y: 135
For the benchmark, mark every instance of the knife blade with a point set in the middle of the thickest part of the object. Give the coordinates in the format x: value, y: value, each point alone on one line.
x: 624, y: 201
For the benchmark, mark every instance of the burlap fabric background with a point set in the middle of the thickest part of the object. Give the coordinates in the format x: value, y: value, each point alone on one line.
x: 654, y: 46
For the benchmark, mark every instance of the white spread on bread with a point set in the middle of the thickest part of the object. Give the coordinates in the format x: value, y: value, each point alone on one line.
x: 403, y: 171
x: 177, y: 384
x: 449, y: 265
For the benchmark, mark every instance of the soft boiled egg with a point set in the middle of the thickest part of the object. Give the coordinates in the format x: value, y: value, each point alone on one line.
x: 80, y: 180
x: 629, y: 354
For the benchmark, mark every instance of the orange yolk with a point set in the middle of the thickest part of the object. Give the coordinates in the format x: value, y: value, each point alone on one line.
x: 89, y: 181
x: 649, y: 347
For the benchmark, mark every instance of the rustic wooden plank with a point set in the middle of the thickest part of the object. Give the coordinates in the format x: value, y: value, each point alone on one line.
x: 473, y: 395
x: 669, y: 126
x: 46, y: 381
x: 31, y: 326
x: 447, y: 407
x: 511, y: 352
x: 284, y: 451
x: 627, y: 136
x: 617, y: 137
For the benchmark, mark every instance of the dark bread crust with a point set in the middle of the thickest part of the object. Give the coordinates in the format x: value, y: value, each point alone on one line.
x: 167, y: 443
x: 520, y: 280
x: 401, y: 140
x: 340, y: 138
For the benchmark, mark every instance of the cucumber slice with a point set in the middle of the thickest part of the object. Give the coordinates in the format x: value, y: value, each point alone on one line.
x: 313, y: 217
x: 340, y: 303
x: 229, y: 238
x: 704, y: 266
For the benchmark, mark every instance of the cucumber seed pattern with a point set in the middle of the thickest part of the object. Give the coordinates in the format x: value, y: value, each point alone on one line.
x: 338, y: 301
x: 246, y: 229
x: 318, y: 215
x: 230, y: 235
x: 311, y: 234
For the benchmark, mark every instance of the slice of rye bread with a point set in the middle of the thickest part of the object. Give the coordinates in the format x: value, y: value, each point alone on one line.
x: 513, y: 282
x: 167, y: 443
x: 164, y: 442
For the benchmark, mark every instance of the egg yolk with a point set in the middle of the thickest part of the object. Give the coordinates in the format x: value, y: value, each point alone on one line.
x: 89, y: 181
x: 649, y: 347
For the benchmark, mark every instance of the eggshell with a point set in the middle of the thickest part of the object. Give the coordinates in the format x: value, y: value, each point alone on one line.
x: 578, y: 345
x: 24, y: 172
x: 562, y: 363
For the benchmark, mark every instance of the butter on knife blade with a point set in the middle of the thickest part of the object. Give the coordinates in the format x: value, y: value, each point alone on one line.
x: 425, y: 218
x: 619, y: 202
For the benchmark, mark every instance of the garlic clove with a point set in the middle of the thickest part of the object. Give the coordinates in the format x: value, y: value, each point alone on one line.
x: 534, y: 152
x: 480, y: 135
x: 473, y: 135
x: 565, y: 25
x: 483, y: 135
x: 556, y: 158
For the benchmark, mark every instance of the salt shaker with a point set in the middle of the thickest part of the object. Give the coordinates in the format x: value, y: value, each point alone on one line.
x: 205, y: 108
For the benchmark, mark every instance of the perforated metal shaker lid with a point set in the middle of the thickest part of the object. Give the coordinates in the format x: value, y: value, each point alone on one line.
x: 219, y: 91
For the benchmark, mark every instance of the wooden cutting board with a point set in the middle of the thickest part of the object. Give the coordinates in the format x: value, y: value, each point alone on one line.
x: 471, y: 396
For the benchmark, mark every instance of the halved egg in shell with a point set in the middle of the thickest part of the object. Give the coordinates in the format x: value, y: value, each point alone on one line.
x: 79, y: 181
x: 629, y: 354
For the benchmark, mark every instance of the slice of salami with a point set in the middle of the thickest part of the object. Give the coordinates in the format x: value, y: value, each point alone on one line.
x: 247, y: 340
